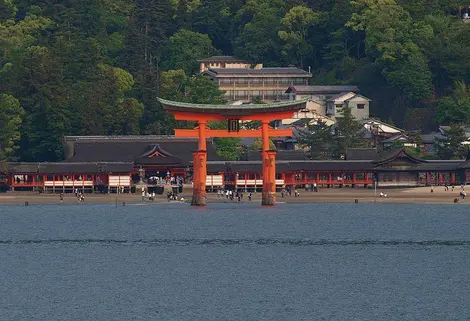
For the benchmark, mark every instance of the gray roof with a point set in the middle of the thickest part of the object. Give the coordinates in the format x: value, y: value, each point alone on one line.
x: 397, y: 137
x: 281, y: 155
x: 68, y: 168
x: 361, y: 154
x: 128, y: 138
x: 334, y: 97
x: 284, y: 71
x: 330, y: 89
x: 432, y: 137
x: 222, y: 59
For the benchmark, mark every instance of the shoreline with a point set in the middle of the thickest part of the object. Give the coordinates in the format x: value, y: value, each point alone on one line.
x: 418, y: 195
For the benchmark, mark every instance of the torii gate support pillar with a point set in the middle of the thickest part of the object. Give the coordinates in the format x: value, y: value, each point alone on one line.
x: 268, y: 197
x: 200, y: 168
x: 199, y: 178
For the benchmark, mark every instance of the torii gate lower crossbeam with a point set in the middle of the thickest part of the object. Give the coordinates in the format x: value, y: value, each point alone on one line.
x: 204, y: 113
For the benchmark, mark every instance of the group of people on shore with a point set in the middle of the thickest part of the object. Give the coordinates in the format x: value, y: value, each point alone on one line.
x: 231, y: 195
x: 78, y: 194
x: 462, y: 193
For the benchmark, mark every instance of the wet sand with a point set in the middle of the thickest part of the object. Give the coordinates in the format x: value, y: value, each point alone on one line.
x: 324, y: 195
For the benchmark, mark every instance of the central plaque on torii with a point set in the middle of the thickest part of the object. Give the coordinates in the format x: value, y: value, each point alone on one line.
x: 202, y: 113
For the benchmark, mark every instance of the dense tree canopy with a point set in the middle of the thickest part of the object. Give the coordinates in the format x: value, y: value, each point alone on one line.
x: 96, y: 67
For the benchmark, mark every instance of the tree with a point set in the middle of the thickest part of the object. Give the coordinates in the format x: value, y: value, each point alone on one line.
x: 258, y: 40
x: 184, y: 49
x: 316, y: 139
x: 45, y: 100
x: 106, y: 109
x: 216, y: 19
x: 227, y: 148
x: 392, y: 40
x: 347, y: 133
x: 296, y: 24
x: 202, y: 90
x: 258, y: 144
x: 455, y: 108
x: 11, y: 117
x: 7, y: 9
x: 452, y: 147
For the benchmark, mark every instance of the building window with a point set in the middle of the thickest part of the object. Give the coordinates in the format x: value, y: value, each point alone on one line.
x: 270, y: 81
x: 361, y: 106
x: 225, y: 81
x: 299, y: 81
x: 242, y: 81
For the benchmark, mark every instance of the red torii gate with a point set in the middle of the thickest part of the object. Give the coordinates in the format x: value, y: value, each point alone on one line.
x: 202, y: 113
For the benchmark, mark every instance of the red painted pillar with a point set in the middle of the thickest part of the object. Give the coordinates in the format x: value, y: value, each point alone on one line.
x: 200, y: 168
x: 199, y: 179
x: 269, y: 168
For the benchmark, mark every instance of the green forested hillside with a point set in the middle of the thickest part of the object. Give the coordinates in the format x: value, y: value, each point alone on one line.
x: 94, y: 67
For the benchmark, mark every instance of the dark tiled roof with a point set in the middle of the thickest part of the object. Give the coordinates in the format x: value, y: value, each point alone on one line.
x: 330, y: 165
x: 68, y: 168
x: 398, y: 137
x: 259, y: 72
x: 280, y: 155
x: 361, y: 153
x: 246, y: 166
x: 157, y: 156
x: 393, y: 154
x: 331, y: 89
x: 432, y: 138
x: 222, y: 59
x: 130, y: 151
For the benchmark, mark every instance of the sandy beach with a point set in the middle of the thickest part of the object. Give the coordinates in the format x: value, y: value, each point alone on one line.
x: 325, y: 195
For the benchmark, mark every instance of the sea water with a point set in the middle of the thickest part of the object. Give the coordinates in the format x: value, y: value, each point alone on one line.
x: 235, y: 262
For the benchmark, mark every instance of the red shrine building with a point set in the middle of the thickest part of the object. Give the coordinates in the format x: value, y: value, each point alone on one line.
x: 101, y: 163
x: 104, y: 163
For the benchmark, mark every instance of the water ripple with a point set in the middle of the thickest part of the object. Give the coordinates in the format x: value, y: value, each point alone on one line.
x: 231, y: 242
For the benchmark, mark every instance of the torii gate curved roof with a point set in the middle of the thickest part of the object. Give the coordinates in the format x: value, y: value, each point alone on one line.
x: 234, y: 110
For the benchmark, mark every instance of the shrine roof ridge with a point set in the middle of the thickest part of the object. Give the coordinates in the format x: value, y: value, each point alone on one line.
x: 120, y: 138
x: 245, y: 107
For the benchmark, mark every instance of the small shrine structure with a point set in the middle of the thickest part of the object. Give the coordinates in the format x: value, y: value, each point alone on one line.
x: 203, y: 113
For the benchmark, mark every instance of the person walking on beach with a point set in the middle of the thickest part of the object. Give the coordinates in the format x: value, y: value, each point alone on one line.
x: 446, y: 187
x: 315, y: 188
x: 61, y: 197
x: 249, y: 197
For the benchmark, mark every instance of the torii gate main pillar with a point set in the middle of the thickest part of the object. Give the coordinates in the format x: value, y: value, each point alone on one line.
x: 268, y: 196
x: 200, y: 168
